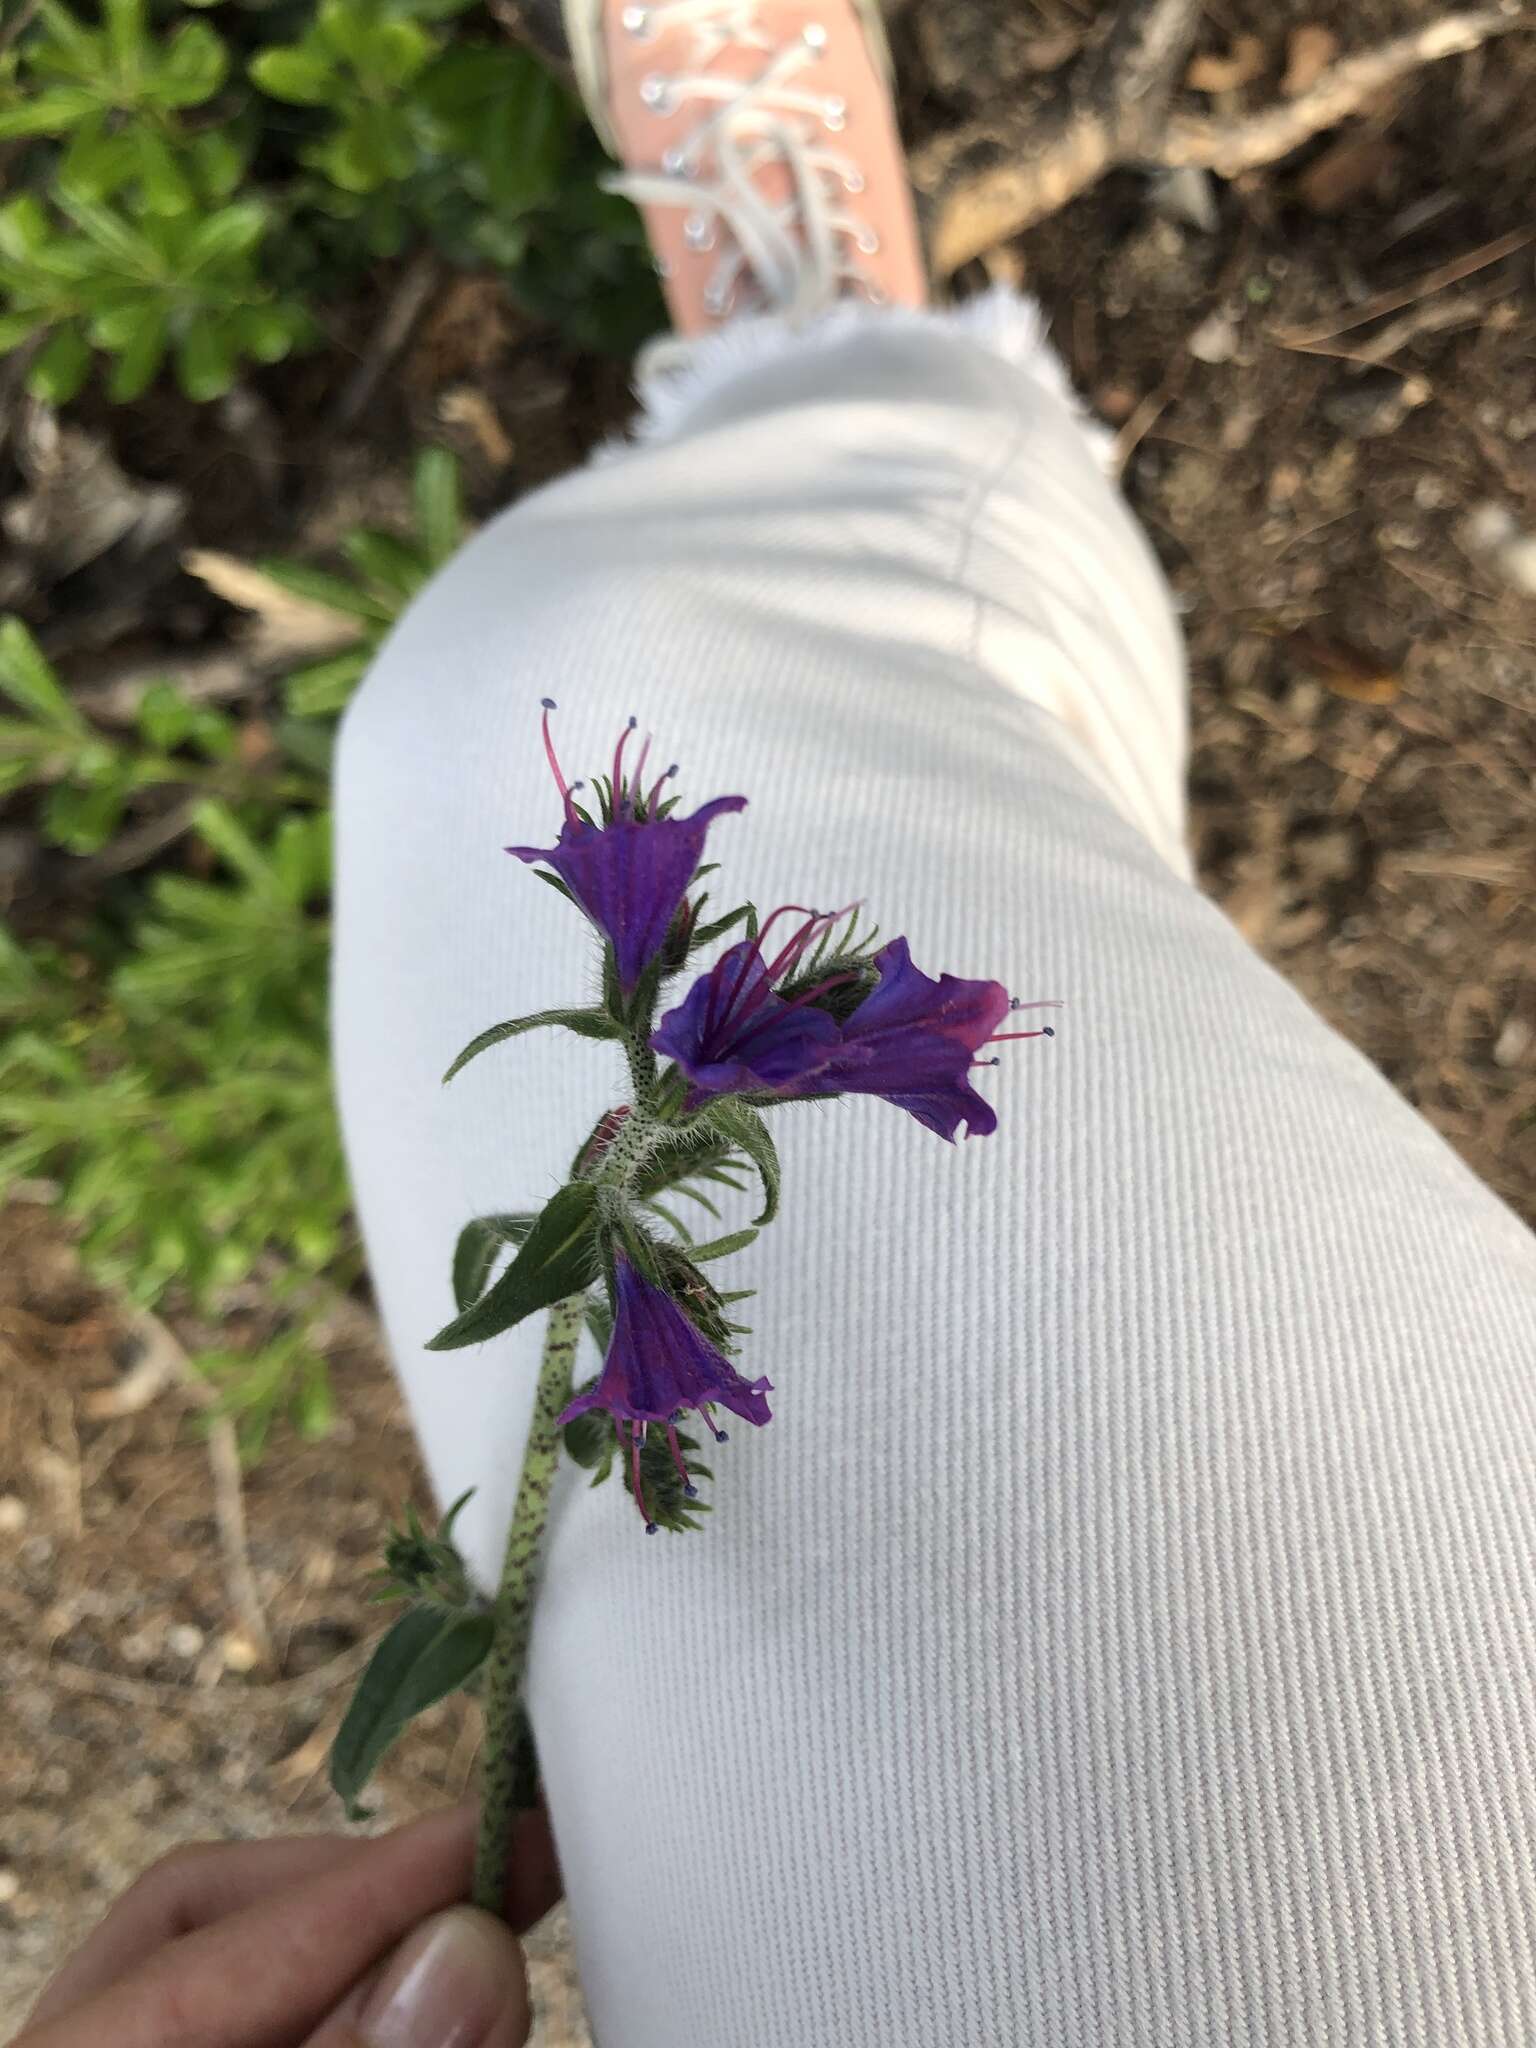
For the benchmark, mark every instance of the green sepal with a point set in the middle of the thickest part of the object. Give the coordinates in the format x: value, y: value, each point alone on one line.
x: 423, y: 1658
x: 600, y: 1323
x: 744, y: 1130
x: 427, y: 1568
x: 704, y: 934
x: 480, y: 1243
x: 585, y: 1023
x: 558, y: 1258
x: 589, y: 1441
x: 722, y: 1247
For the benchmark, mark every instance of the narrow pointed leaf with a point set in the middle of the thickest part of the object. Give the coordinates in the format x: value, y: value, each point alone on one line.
x: 424, y: 1657
x: 722, y: 1247
x: 585, y: 1023
x: 738, y: 1122
x: 557, y: 1258
x: 480, y: 1245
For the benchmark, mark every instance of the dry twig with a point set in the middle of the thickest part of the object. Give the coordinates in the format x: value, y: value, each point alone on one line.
x: 162, y: 1361
x: 1011, y: 167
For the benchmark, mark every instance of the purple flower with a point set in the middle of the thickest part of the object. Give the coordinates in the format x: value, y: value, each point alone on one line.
x: 913, y: 1041
x: 630, y: 872
x: 659, y: 1364
x: 733, y: 1033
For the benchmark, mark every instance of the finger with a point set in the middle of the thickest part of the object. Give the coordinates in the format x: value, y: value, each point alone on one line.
x: 459, y: 1981
x: 264, y: 1976
x: 188, y: 1889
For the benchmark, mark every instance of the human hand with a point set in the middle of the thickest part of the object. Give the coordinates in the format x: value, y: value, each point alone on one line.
x: 325, y: 1942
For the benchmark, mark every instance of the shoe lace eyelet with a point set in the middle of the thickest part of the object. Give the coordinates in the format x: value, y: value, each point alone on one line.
x: 657, y: 94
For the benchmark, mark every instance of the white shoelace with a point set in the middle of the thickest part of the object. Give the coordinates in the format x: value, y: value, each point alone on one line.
x: 799, y: 257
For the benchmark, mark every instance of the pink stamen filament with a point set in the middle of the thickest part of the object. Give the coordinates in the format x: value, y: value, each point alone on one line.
x: 1002, y: 1037
x: 650, y: 802
x: 549, y: 752
x: 677, y: 1454
x: 616, y: 794
x: 634, y: 1466
x: 794, y: 1003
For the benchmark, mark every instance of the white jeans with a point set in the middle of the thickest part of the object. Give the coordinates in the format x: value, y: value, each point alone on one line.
x: 1124, y: 1632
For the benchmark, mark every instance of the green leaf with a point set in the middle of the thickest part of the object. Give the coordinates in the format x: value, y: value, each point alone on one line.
x: 139, y: 355
x: 193, y: 67
x: 161, y: 180
x: 396, y: 51
x: 232, y: 231
x: 426, y: 1656
x: 205, y: 360
x: 722, y: 1247
x: 557, y: 1258
x: 745, y: 1130
x: 439, y: 517
x: 62, y: 367
x: 27, y: 678
x: 385, y: 560
x: 320, y: 587
x: 25, y: 228
x: 218, y: 159
x: 324, y: 686
x: 297, y: 73
x: 480, y: 1244
x: 268, y: 332
x: 585, y: 1023
x: 47, y: 113
x: 82, y: 820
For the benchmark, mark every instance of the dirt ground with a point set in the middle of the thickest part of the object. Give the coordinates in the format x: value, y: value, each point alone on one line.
x: 1323, y: 379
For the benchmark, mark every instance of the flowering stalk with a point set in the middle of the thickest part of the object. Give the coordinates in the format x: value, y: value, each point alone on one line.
x: 798, y: 1007
x: 505, y: 1668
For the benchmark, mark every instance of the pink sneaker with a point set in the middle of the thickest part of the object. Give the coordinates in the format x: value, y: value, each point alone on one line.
x: 759, y: 140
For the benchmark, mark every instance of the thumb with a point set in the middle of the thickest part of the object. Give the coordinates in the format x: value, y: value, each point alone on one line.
x: 456, y: 1981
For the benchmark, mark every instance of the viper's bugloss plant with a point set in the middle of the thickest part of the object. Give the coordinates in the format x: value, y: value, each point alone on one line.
x: 802, y: 1006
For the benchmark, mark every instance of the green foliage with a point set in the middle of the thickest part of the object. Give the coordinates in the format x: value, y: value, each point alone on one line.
x: 386, y: 573
x: 557, y: 1258
x: 350, y: 129
x: 427, y: 1655
x: 426, y: 1568
x: 164, y: 1058
x: 743, y: 1130
x: 591, y: 1442
x: 585, y: 1024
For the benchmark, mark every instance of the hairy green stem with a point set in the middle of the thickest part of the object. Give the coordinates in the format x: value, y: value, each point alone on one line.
x: 505, y: 1779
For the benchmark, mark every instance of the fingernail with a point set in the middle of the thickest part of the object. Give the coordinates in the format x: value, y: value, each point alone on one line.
x: 454, y: 1980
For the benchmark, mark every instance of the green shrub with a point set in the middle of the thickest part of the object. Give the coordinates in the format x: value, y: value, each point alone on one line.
x: 189, y: 193
x: 165, y: 1062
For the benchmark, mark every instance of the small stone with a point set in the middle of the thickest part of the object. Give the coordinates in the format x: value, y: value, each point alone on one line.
x: 1187, y: 195
x: 240, y: 1653
x: 1215, y: 339
x: 1238, y: 427
x: 10, y: 1887
x: 183, y: 1640
x: 1432, y: 493
x: 1284, y: 482
x: 13, y: 1514
x: 1374, y: 404
x: 1513, y: 1046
